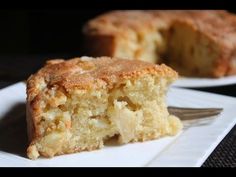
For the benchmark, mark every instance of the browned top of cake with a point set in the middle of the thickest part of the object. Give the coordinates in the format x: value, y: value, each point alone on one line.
x: 218, y: 24
x: 91, y: 73
x: 119, y: 21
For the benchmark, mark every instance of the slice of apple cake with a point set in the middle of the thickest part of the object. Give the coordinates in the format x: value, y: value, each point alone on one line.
x: 78, y: 104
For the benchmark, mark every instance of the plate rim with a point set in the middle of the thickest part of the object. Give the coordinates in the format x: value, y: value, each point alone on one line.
x: 195, y: 82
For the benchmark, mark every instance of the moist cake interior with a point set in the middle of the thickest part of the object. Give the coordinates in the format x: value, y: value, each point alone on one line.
x: 180, y: 47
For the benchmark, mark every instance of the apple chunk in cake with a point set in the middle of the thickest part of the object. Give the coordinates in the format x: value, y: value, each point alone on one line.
x: 78, y: 104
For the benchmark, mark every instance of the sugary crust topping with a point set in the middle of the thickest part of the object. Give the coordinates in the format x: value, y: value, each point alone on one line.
x: 90, y: 73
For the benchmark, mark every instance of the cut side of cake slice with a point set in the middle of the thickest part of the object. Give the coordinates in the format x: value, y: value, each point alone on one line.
x: 202, y: 47
x: 77, y: 105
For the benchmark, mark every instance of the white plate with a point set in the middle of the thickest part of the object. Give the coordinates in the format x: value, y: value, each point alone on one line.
x: 190, y: 148
x: 190, y: 82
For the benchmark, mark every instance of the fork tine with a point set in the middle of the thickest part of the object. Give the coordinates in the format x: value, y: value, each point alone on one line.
x: 195, y: 116
x: 193, y: 110
x: 181, y: 109
x: 194, y: 113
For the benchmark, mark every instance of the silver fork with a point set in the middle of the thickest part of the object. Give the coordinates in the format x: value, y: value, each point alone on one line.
x: 193, y: 113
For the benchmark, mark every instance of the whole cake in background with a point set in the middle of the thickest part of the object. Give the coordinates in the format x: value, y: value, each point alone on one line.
x: 78, y: 104
x: 200, y: 43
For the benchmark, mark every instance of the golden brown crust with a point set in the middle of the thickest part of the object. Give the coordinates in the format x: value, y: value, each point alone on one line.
x: 91, y: 74
x: 81, y: 73
x: 216, y: 25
